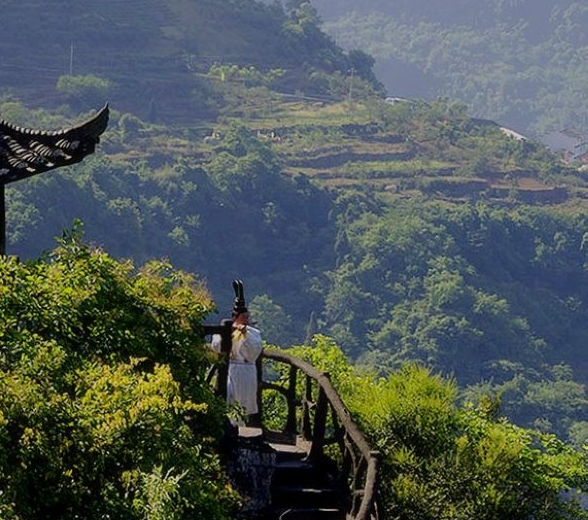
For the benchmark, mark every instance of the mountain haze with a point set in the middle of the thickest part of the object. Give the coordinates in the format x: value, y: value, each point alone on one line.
x: 521, y: 63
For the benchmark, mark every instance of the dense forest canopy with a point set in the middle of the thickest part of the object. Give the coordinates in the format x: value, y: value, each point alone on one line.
x: 106, y: 410
x: 520, y: 63
x: 406, y: 232
x: 476, y: 291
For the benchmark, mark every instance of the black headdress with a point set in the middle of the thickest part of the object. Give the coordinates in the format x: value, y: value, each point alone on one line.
x: 239, y: 304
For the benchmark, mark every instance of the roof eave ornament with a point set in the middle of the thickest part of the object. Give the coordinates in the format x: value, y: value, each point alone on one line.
x: 25, y: 152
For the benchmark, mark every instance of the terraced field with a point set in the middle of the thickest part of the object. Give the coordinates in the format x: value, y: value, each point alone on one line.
x: 151, y: 51
x: 345, y: 146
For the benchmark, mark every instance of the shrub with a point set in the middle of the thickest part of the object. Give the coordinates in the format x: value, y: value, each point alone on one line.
x: 86, y: 89
x: 441, y: 461
x: 104, y: 407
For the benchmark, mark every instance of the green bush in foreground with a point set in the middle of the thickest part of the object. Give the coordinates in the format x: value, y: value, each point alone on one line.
x: 441, y: 461
x: 104, y: 408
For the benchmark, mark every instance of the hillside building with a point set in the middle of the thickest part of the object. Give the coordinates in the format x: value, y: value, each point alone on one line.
x: 570, y: 143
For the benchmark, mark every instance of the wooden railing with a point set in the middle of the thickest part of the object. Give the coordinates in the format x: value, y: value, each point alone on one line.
x: 309, y: 402
x: 222, y: 370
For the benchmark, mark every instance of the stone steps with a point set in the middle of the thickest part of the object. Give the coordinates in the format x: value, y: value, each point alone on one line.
x: 309, y: 514
x: 301, y: 490
x: 284, y: 484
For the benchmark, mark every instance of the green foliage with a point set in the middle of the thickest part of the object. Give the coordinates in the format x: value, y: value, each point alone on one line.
x: 326, y: 356
x: 250, y: 76
x: 548, y: 398
x: 129, y: 127
x: 512, y: 62
x: 245, y: 164
x: 86, y: 90
x: 465, y: 291
x: 276, y: 324
x: 442, y: 461
x: 303, y: 191
x: 104, y: 406
x: 160, y: 492
x: 13, y: 111
x: 488, y: 291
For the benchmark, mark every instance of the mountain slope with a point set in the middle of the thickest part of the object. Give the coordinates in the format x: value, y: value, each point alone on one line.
x: 405, y: 230
x: 521, y: 63
x: 156, y: 52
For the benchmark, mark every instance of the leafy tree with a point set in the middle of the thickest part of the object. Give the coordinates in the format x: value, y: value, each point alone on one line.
x: 129, y: 126
x: 441, y: 460
x: 104, y: 406
x: 362, y: 63
x: 275, y: 324
x: 86, y: 90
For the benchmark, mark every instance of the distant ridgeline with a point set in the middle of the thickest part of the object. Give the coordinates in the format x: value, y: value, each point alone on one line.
x: 512, y: 61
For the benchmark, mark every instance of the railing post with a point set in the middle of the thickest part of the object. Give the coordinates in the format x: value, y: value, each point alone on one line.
x: 306, y: 427
x: 291, y: 398
x: 320, y: 424
x: 369, y: 505
x: 223, y: 369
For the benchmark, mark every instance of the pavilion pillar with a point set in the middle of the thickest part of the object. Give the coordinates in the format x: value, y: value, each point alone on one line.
x: 2, y: 219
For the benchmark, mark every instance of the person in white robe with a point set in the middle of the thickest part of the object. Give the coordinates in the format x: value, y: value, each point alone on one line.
x: 246, y: 348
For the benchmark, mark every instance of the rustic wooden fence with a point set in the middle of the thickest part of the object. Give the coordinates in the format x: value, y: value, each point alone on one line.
x: 315, y: 413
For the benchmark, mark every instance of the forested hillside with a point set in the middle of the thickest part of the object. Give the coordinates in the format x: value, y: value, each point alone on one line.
x: 405, y: 231
x: 434, y: 263
x: 107, y: 411
x: 521, y: 63
x: 152, y: 55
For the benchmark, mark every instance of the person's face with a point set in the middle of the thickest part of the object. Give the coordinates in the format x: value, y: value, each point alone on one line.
x: 242, y: 319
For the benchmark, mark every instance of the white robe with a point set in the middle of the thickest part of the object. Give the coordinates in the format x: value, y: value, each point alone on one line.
x: 242, y: 382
